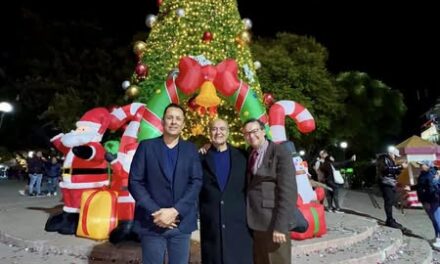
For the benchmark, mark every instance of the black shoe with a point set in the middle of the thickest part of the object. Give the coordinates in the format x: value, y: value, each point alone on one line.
x: 123, y: 232
x: 55, y: 222
x: 70, y: 224
x: 393, y: 224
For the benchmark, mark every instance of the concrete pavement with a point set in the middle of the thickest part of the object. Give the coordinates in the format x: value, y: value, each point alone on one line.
x: 24, y: 240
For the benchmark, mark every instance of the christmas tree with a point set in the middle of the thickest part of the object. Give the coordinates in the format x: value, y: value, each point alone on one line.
x: 209, y: 32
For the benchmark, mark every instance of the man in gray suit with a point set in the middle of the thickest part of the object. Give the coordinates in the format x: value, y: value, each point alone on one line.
x: 271, y: 196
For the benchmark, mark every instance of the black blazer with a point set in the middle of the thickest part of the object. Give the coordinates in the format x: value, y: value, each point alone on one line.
x: 225, y: 236
x: 152, y: 189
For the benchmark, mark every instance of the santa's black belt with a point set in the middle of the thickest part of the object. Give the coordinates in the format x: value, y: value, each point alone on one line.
x: 75, y: 171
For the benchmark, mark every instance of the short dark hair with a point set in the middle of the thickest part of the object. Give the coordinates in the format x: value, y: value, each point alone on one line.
x: 252, y: 120
x: 173, y: 105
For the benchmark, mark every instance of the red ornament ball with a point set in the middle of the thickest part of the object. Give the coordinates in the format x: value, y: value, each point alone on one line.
x: 192, y: 104
x: 268, y: 99
x: 207, y: 36
x: 141, y: 70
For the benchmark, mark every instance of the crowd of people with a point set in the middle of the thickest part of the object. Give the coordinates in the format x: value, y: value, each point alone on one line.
x: 40, y: 170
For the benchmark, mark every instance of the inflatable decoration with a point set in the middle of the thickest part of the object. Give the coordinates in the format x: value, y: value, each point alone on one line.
x: 193, y: 76
x: 302, y: 117
x: 128, y: 117
x: 84, y: 167
x: 98, y: 215
x: 308, y: 199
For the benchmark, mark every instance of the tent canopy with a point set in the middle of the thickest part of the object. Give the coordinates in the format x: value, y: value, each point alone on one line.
x: 417, y: 145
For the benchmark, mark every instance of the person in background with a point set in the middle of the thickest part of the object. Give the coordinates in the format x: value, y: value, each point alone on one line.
x: 428, y: 192
x: 388, y: 171
x: 36, y: 168
x: 327, y: 171
x: 271, y: 196
x: 53, y: 174
x: 317, y: 165
x: 165, y: 180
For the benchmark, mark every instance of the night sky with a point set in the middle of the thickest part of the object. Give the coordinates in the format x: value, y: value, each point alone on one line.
x: 395, y: 44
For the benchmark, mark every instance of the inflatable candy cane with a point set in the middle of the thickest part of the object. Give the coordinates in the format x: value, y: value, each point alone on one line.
x: 131, y: 114
x: 313, y: 212
x: 305, y: 123
x: 302, y: 117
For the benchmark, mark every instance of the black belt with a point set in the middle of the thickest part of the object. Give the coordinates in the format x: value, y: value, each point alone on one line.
x: 84, y: 171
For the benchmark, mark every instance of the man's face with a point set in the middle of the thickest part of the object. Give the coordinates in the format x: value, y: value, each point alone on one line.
x: 253, y: 134
x: 219, y: 132
x: 173, y: 121
x: 39, y: 154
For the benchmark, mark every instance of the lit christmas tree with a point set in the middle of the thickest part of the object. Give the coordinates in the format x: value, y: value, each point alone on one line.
x: 209, y: 32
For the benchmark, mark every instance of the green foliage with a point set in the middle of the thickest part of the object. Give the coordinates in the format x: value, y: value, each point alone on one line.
x: 293, y: 68
x: 373, y: 112
x: 364, y: 175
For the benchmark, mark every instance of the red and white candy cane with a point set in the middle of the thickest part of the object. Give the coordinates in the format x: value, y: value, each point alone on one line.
x: 131, y: 114
x: 302, y: 117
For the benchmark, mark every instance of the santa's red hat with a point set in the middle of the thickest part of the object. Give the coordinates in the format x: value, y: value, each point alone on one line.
x: 97, y: 118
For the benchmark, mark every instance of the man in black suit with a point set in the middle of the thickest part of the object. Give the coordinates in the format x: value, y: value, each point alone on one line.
x: 225, y: 236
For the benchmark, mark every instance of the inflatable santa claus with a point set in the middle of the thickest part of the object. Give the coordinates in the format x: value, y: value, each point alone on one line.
x: 84, y: 168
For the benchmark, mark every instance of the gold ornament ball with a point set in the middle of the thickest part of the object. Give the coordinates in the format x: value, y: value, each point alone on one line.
x: 132, y: 91
x: 139, y: 48
x: 245, y: 36
x: 239, y: 41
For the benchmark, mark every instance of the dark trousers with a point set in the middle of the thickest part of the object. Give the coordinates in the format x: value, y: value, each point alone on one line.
x: 268, y: 252
x: 173, y: 242
x: 433, y: 211
x: 389, y: 198
x: 332, y: 196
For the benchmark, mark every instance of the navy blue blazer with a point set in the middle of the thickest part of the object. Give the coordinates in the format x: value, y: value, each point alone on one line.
x: 152, y: 189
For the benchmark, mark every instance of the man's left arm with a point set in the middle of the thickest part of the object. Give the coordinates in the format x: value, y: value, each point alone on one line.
x: 286, y: 191
x: 187, y: 201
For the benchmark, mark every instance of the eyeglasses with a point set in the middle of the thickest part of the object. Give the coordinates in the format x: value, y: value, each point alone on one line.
x: 252, y: 132
x: 221, y: 129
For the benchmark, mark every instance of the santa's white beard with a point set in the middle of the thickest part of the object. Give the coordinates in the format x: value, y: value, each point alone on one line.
x: 74, y: 138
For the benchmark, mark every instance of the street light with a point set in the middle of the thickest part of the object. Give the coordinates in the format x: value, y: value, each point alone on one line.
x: 343, y: 146
x: 5, y: 107
x: 302, y: 153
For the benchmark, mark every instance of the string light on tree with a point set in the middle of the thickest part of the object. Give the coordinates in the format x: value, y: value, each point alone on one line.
x: 180, y: 12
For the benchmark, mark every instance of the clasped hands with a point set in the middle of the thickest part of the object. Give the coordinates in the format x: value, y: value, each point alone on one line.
x: 166, y: 217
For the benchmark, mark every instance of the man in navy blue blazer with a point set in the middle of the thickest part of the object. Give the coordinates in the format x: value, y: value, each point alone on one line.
x: 165, y: 180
